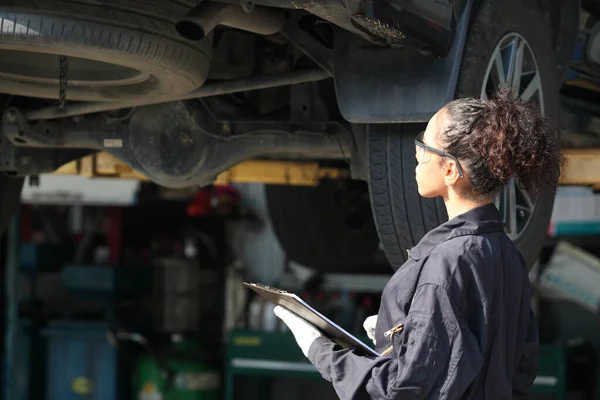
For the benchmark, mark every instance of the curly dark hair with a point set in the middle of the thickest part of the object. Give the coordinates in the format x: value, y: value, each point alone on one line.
x: 502, y: 138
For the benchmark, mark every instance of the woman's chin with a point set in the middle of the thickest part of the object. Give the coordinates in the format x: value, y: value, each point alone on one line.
x: 422, y: 192
x: 428, y: 194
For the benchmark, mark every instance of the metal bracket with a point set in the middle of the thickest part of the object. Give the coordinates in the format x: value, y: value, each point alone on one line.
x: 314, y: 49
x: 88, y: 133
x: 21, y: 161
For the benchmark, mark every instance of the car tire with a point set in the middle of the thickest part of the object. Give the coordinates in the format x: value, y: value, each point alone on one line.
x: 328, y: 228
x: 124, y: 50
x: 401, y: 217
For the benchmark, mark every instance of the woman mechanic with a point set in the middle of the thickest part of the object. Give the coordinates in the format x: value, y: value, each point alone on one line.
x: 457, y: 314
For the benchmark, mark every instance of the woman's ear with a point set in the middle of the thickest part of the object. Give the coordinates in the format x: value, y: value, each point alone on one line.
x: 451, y: 175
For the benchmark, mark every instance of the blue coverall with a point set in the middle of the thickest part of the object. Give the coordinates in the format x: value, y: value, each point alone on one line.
x: 455, y: 318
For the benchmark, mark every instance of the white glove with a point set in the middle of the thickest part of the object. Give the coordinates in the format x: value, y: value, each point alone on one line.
x: 369, y: 326
x: 304, y: 332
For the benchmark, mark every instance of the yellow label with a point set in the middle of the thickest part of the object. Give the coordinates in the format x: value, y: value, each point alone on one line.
x: 82, y: 385
x: 149, y: 387
x: 247, y: 341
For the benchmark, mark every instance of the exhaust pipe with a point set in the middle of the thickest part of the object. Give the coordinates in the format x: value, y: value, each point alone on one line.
x: 201, y: 20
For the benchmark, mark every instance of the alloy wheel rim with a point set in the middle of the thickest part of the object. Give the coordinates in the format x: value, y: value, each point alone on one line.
x: 513, y: 62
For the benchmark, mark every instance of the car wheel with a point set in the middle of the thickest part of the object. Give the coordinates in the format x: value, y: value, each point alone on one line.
x: 507, y: 42
x: 99, y: 51
x: 329, y: 227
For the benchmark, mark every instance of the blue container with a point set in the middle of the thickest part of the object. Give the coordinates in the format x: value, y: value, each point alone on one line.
x: 81, y: 362
x: 26, y: 374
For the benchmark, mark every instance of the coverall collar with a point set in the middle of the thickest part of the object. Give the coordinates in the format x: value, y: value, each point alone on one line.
x: 482, y: 219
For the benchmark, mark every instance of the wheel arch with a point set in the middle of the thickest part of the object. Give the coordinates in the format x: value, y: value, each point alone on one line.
x: 421, y: 86
x: 375, y: 85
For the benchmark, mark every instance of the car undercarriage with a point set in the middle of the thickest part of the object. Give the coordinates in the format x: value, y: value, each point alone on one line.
x: 184, y: 90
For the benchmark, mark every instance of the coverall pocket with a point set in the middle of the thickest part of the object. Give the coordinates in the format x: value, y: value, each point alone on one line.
x: 390, y: 335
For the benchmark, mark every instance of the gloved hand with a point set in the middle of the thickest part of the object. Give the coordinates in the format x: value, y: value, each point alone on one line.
x: 369, y: 326
x: 304, y: 332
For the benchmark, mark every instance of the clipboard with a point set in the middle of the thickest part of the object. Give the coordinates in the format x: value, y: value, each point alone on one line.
x: 299, y: 307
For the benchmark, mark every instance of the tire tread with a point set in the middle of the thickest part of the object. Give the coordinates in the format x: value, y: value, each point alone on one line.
x: 402, y: 217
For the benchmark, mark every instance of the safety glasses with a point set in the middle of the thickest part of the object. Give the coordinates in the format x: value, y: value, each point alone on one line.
x: 424, y: 153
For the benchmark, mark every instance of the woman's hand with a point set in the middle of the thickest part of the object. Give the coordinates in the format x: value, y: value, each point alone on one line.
x: 304, y: 332
x: 369, y: 326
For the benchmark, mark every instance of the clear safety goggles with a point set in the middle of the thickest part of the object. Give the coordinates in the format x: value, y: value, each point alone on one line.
x: 424, y: 152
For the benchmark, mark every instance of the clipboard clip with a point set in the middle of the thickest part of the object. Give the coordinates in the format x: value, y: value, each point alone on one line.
x: 267, y: 287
